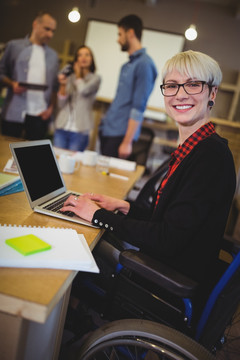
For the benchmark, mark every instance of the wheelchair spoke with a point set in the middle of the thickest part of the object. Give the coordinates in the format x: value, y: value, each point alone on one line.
x: 114, y: 355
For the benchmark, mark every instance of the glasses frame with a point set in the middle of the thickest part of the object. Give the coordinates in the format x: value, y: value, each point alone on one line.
x: 183, y: 85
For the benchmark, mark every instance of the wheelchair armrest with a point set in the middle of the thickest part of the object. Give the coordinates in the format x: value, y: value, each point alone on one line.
x: 159, y: 273
x: 229, y: 244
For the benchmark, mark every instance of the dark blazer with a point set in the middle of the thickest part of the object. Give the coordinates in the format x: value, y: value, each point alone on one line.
x: 188, y: 223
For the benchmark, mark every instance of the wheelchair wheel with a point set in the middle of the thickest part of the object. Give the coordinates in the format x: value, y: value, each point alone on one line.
x: 229, y: 345
x: 135, y: 339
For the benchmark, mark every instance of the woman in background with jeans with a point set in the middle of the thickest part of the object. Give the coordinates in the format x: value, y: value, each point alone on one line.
x: 76, y: 95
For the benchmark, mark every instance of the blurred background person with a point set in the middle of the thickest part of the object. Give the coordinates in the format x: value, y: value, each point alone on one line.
x: 78, y: 87
x: 30, y: 61
x: 121, y: 125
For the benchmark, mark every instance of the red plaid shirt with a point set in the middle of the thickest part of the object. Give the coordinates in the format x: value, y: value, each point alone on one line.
x: 183, y: 150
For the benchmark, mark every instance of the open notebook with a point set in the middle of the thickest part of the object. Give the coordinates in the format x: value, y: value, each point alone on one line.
x: 68, y: 250
x: 42, y: 179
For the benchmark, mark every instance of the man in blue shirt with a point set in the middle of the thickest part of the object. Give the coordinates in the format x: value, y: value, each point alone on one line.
x: 121, y: 125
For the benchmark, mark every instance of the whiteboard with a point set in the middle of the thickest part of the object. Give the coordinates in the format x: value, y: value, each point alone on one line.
x: 101, y: 37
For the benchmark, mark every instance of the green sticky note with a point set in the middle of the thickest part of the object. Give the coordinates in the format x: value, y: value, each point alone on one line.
x: 28, y: 244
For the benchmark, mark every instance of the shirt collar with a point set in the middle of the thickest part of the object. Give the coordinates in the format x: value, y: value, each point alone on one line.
x: 202, y: 133
x: 137, y: 53
x: 27, y: 37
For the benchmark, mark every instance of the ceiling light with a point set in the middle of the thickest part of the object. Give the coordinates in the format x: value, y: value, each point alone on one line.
x: 191, y: 33
x: 74, y: 15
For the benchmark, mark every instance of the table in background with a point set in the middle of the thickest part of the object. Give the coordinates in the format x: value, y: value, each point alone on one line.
x: 33, y: 302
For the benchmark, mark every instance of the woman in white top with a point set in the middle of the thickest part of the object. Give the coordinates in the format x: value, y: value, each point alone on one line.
x: 76, y: 95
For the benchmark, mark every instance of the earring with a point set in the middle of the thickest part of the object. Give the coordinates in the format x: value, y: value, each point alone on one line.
x: 210, y: 103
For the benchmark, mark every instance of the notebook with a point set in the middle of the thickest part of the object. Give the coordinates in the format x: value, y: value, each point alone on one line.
x: 64, y: 249
x: 10, y: 184
x: 6, y: 180
x: 42, y: 179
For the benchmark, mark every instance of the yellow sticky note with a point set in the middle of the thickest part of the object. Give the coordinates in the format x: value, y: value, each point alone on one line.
x: 28, y: 244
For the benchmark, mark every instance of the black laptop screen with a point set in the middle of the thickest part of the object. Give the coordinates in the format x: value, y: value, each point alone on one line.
x: 39, y: 170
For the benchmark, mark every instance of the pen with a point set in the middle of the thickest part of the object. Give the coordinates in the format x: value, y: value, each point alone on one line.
x: 117, y: 176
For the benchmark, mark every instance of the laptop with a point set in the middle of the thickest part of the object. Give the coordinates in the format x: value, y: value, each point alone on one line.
x: 42, y: 179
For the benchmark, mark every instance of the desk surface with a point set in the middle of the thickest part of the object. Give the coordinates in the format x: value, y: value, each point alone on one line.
x: 33, y: 293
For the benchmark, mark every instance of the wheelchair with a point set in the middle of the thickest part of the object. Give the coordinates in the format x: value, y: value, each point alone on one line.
x: 159, y: 318
x: 154, y: 312
x: 141, y: 339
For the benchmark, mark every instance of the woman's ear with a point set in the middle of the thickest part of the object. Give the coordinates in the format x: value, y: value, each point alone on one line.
x: 213, y: 93
x: 212, y: 96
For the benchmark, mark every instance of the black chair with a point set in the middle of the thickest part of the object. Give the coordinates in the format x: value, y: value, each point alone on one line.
x: 151, y: 291
x: 142, y: 146
x: 207, y: 324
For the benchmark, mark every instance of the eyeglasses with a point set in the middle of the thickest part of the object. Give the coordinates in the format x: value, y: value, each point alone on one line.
x: 190, y: 87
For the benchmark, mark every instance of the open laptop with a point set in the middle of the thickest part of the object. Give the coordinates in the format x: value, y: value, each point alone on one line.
x: 42, y: 179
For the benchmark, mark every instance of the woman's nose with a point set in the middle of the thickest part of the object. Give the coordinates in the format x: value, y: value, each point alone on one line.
x: 181, y: 92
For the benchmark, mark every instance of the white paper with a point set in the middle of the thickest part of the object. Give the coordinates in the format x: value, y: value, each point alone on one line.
x: 11, y: 167
x: 93, y: 267
x: 122, y: 164
x: 68, y: 250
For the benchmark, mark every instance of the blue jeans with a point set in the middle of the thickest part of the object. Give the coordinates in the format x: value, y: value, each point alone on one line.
x: 70, y: 140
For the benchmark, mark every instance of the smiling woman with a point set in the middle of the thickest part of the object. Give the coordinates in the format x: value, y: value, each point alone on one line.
x: 190, y: 85
x: 186, y: 222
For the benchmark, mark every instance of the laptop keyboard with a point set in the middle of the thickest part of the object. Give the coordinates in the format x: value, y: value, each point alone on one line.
x: 58, y: 204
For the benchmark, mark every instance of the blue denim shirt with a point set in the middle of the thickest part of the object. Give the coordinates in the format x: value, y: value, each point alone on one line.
x: 135, y: 85
x: 14, y: 64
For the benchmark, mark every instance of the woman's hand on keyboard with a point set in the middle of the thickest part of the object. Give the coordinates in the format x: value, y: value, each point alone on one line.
x: 82, y: 206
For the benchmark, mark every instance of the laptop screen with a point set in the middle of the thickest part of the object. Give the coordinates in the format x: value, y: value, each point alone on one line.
x: 38, y: 168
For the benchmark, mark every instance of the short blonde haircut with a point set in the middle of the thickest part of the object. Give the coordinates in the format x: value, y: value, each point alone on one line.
x: 195, y: 65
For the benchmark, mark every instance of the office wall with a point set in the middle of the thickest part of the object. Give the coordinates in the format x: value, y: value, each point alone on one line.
x: 218, y: 27
x: 110, y: 65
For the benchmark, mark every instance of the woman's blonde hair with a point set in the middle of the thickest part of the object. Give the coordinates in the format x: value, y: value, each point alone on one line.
x: 195, y: 65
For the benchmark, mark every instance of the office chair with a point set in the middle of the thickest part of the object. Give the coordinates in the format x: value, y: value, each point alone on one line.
x: 142, y: 146
x: 151, y: 322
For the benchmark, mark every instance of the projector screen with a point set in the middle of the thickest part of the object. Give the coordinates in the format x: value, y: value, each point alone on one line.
x: 101, y: 37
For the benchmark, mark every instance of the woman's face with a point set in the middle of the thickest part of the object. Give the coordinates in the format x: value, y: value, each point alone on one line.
x: 84, y: 58
x: 187, y: 109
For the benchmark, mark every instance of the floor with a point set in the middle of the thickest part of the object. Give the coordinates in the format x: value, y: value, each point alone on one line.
x: 69, y: 350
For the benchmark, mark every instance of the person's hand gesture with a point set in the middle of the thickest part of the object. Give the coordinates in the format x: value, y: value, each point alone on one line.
x: 17, y: 89
x: 77, y: 70
x: 62, y: 79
